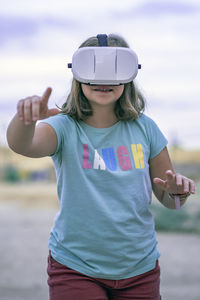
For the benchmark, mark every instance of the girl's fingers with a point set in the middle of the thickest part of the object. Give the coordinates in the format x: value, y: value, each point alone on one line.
x: 20, y: 109
x: 169, y: 175
x: 186, y: 186
x: 27, y: 111
x: 46, y: 95
x: 159, y: 182
x: 35, y: 108
x: 175, y: 183
x: 179, y: 180
x: 30, y: 109
x: 191, y: 187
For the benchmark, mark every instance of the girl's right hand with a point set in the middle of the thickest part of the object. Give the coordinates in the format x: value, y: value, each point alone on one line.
x: 32, y: 109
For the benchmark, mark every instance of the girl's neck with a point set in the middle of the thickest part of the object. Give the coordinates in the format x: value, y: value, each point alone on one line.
x: 102, y: 118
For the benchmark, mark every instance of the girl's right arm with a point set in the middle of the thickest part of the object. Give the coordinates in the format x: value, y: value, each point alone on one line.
x: 23, y: 136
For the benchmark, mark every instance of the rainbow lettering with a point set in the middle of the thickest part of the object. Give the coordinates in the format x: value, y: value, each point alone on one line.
x: 109, y: 160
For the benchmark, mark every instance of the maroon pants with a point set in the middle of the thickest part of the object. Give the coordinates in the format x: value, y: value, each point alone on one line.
x: 67, y: 284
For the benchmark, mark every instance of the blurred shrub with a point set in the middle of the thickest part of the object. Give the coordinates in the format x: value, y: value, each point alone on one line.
x: 176, y: 220
x: 11, y: 174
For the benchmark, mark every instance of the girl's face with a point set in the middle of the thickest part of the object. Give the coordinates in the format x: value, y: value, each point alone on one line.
x: 103, y: 95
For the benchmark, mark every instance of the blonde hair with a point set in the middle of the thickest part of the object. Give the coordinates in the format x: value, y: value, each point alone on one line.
x: 129, y: 106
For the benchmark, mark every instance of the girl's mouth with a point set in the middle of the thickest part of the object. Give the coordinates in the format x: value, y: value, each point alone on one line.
x: 103, y: 89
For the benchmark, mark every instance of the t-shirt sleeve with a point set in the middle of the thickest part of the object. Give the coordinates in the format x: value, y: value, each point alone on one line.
x: 56, y: 123
x: 156, y: 138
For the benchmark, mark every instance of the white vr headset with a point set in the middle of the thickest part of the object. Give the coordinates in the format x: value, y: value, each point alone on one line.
x: 104, y: 65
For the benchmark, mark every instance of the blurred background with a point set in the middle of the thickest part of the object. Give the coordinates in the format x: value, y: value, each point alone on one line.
x: 37, y: 40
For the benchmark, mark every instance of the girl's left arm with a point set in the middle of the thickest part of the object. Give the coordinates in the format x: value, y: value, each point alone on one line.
x: 166, y: 183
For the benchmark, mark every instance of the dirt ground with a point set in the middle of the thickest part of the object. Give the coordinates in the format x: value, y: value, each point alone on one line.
x: 23, y: 256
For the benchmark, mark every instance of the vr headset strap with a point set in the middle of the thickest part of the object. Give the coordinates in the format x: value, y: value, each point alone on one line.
x: 102, y: 40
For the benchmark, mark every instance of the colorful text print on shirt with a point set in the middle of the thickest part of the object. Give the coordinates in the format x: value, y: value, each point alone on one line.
x: 109, y: 160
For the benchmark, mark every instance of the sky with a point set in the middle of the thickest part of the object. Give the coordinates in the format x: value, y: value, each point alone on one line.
x: 39, y: 37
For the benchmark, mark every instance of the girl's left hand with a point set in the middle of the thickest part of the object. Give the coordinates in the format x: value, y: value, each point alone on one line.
x: 175, y: 183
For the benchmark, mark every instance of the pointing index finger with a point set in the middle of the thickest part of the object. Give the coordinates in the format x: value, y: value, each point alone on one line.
x: 46, y: 95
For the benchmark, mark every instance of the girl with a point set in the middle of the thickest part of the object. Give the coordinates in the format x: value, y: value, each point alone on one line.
x: 108, y: 157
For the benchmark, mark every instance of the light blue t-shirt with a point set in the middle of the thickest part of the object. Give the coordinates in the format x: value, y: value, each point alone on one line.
x: 104, y: 227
